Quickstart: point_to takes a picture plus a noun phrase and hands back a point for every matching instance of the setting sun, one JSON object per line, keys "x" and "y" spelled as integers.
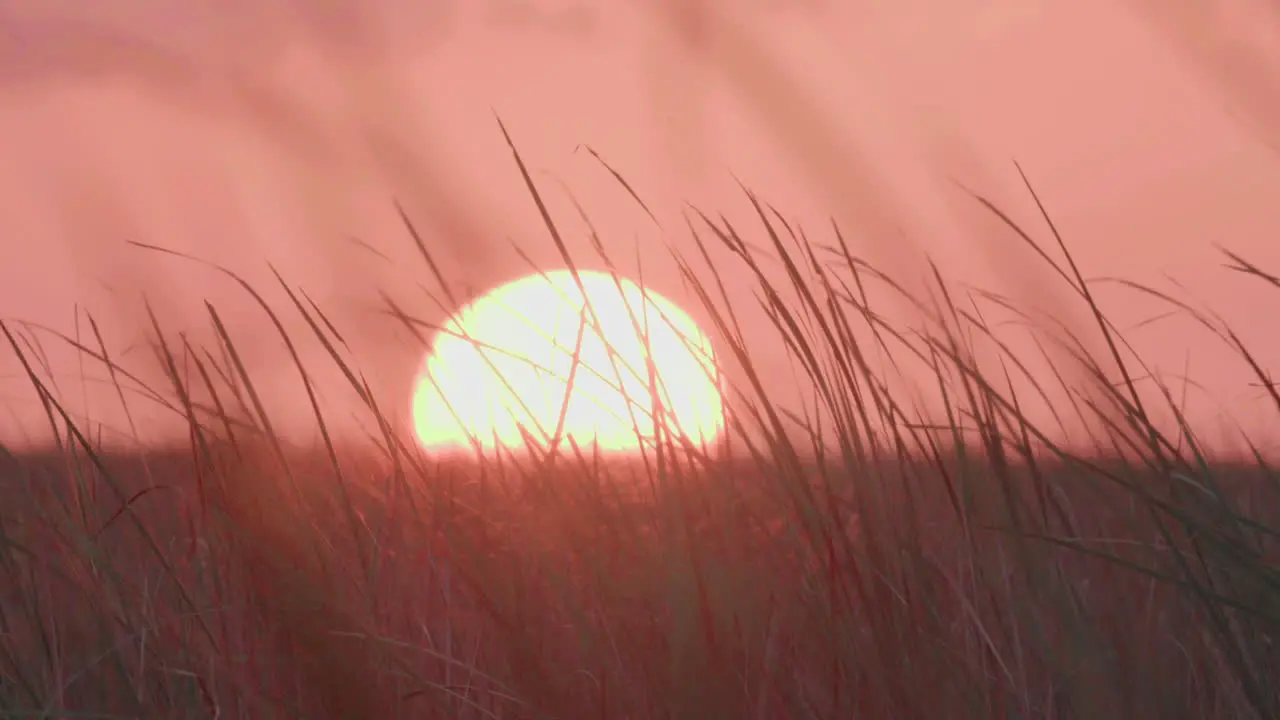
{"x": 506, "y": 363}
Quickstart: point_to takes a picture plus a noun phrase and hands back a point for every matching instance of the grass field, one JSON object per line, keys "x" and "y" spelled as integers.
{"x": 882, "y": 568}
{"x": 869, "y": 560}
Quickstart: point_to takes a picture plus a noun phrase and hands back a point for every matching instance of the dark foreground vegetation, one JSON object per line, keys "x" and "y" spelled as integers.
{"x": 884, "y": 567}
{"x": 948, "y": 588}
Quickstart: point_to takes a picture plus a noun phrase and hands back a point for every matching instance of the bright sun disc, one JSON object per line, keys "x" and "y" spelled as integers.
{"x": 506, "y": 362}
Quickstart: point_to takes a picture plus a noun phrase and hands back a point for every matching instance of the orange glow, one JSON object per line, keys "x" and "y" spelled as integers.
{"x": 507, "y": 362}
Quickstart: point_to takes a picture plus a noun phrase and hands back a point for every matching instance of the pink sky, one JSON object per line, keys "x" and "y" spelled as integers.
{"x": 236, "y": 136}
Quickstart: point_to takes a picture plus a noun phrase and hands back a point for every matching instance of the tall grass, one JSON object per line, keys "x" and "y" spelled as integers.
{"x": 866, "y": 556}
{"x": 857, "y": 559}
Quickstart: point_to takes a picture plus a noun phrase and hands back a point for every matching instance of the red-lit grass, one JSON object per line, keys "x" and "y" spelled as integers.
{"x": 862, "y": 560}
{"x": 880, "y": 569}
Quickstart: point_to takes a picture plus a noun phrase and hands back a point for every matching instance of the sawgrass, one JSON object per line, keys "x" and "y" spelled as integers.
{"x": 881, "y": 565}
{"x": 860, "y": 560}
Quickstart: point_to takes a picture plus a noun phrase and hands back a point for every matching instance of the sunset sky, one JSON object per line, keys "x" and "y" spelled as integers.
{"x": 250, "y": 133}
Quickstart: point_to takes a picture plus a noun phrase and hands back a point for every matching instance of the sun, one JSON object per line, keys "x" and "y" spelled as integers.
{"x": 546, "y": 359}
